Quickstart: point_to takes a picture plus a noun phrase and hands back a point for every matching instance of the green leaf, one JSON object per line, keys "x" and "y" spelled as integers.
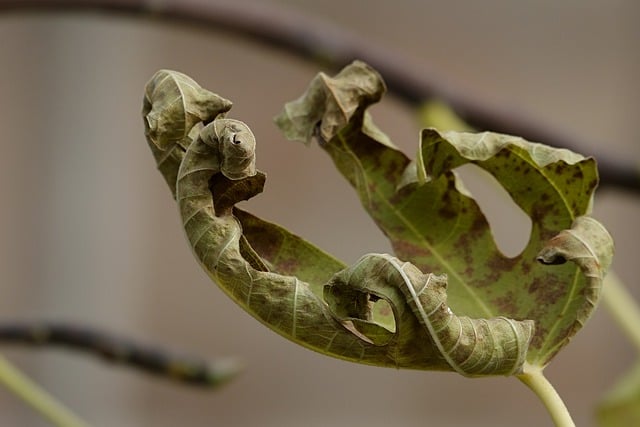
{"x": 267, "y": 246}
{"x": 287, "y": 253}
{"x": 434, "y": 223}
{"x": 471, "y": 347}
{"x": 380, "y": 311}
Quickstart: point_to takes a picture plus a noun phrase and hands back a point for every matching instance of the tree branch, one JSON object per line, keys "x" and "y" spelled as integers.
{"x": 333, "y": 47}
{"x": 117, "y": 350}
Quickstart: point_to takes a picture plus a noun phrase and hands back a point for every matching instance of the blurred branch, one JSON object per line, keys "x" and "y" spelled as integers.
{"x": 117, "y": 350}
{"x": 277, "y": 27}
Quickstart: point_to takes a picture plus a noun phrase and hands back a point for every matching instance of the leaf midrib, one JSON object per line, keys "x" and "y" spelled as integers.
{"x": 362, "y": 172}
{"x": 414, "y": 231}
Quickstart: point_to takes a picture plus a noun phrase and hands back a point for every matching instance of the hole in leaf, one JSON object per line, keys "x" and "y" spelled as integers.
{"x": 510, "y": 225}
{"x": 382, "y": 314}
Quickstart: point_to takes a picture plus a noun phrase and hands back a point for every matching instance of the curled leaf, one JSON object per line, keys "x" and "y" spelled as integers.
{"x": 587, "y": 243}
{"x": 435, "y": 224}
{"x": 471, "y": 347}
{"x": 306, "y": 295}
{"x": 326, "y": 107}
{"x": 173, "y": 105}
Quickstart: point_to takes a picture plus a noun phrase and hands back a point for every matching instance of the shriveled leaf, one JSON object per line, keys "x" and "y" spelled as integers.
{"x": 227, "y": 192}
{"x": 380, "y": 311}
{"x": 174, "y": 104}
{"x": 471, "y": 347}
{"x": 435, "y": 224}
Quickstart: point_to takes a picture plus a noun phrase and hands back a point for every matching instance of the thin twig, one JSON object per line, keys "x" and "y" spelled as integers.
{"x": 319, "y": 41}
{"x": 118, "y": 350}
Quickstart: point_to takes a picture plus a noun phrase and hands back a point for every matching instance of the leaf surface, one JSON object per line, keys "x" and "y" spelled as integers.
{"x": 434, "y": 223}
{"x": 379, "y": 311}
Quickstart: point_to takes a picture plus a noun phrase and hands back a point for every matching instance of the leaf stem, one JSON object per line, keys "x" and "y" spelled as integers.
{"x": 36, "y": 397}
{"x": 534, "y": 378}
{"x": 622, "y": 306}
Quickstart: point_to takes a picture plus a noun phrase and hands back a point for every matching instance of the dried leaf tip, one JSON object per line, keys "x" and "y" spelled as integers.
{"x": 587, "y": 243}
{"x": 330, "y": 103}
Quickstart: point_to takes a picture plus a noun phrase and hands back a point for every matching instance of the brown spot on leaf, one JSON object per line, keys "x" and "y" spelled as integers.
{"x": 506, "y": 304}
{"x": 469, "y": 271}
{"x": 263, "y": 240}
{"x": 479, "y": 226}
{"x": 539, "y": 336}
{"x": 534, "y": 286}
{"x": 409, "y": 251}
{"x": 498, "y": 264}
{"x": 549, "y": 290}
{"x": 447, "y": 212}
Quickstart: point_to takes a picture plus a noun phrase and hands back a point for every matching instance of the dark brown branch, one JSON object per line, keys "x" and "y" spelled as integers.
{"x": 117, "y": 350}
{"x": 273, "y": 26}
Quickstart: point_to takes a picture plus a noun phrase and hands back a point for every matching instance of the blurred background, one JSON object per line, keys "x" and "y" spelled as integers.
{"x": 89, "y": 232}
